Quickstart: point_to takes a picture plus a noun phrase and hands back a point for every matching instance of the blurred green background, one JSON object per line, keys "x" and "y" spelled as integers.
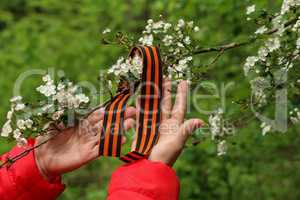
{"x": 65, "y": 36}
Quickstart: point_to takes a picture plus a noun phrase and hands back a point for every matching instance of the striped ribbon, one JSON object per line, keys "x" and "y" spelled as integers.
{"x": 149, "y": 115}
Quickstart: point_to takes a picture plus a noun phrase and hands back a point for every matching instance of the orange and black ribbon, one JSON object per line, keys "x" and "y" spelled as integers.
{"x": 149, "y": 116}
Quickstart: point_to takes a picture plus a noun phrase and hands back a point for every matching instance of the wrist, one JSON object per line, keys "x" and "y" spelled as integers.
{"x": 41, "y": 165}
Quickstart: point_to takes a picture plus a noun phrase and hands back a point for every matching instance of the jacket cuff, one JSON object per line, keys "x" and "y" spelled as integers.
{"x": 153, "y": 180}
{"x": 28, "y": 178}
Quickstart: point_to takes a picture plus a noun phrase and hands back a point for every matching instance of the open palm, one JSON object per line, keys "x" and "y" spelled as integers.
{"x": 74, "y": 147}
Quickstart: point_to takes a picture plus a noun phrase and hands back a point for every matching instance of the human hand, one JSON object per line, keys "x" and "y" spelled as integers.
{"x": 74, "y": 147}
{"x": 174, "y": 131}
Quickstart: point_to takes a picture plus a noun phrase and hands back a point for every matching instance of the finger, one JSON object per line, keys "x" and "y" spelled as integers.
{"x": 129, "y": 123}
{"x": 166, "y": 102}
{"x": 190, "y": 126}
{"x": 123, "y": 140}
{"x": 96, "y": 116}
{"x": 179, "y": 107}
{"x": 133, "y": 144}
{"x": 130, "y": 112}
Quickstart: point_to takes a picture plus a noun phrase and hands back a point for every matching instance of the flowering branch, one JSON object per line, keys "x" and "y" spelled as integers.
{"x": 9, "y": 161}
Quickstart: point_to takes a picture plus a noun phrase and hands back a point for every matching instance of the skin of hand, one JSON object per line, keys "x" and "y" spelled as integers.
{"x": 73, "y": 147}
{"x": 174, "y": 131}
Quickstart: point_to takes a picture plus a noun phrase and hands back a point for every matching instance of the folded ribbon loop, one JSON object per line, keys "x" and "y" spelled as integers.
{"x": 149, "y": 110}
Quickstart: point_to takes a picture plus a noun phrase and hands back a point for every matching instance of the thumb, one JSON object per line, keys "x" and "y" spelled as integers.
{"x": 189, "y": 126}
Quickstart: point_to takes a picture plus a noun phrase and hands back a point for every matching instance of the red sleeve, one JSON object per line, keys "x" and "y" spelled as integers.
{"x": 23, "y": 181}
{"x": 144, "y": 180}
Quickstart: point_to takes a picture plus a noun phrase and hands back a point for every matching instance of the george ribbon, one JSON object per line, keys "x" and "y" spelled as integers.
{"x": 149, "y": 117}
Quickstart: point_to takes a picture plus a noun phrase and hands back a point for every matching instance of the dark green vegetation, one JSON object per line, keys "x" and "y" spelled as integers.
{"x": 66, "y": 35}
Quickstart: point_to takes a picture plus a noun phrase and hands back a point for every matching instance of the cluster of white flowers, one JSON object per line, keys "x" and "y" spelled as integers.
{"x": 23, "y": 118}
{"x": 288, "y": 4}
{"x": 48, "y": 89}
{"x": 215, "y": 122}
{"x": 295, "y": 116}
{"x": 126, "y": 67}
{"x": 220, "y": 130}
{"x": 21, "y": 124}
{"x": 174, "y": 40}
{"x": 276, "y": 53}
{"x": 176, "y": 47}
{"x": 177, "y": 71}
{"x": 67, "y": 96}
{"x": 270, "y": 46}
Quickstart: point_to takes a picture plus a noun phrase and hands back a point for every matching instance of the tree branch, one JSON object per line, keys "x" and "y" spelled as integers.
{"x": 222, "y": 48}
{"x": 233, "y": 45}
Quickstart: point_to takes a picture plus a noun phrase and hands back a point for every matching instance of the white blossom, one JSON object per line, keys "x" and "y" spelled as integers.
{"x": 168, "y": 40}
{"x": 158, "y": 25}
{"x": 48, "y": 89}
{"x": 250, "y": 9}
{"x": 265, "y": 128}
{"x": 179, "y": 44}
{"x": 105, "y": 31}
{"x": 61, "y": 86}
{"x": 122, "y": 67}
{"x": 6, "y": 129}
{"x": 215, "y": 123}
{"x": 15, "y": 99}
{"x": 298, "y": 43}
{"x": 273, "y": 44}
{"x": 21, "y": 124}
{"x": 146, "y": 40}
{"x": 250, "y": 62}
{"x": 196, "y": 28}
{"x": 28, "y": 123}
{"x": 181, "y": 23}
{"x": 222, "y": 148}
{"x": 182, "y": 65}
{"x": 288, "y": 4}
{"x": 17, "y": 133}
{"x": 9, "y": 114}
{"x": 263, "y": 53}
{"x": 296, "y": 26}
{"x": 187, "y": 40}
{"x": 82, "y": 98}
{"x": 19, "y": 106}
{"x": 261, "y": 30}
{"x": 190, "y": 24}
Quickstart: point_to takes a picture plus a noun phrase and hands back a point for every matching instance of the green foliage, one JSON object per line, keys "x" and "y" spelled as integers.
{"x": 66, "y": 36}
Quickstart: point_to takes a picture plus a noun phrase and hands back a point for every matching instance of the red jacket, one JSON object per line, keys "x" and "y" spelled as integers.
{"x": 142, "y": 180}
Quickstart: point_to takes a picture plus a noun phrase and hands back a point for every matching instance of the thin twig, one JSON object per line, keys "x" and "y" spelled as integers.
{"x": 216, "y": 58}
{"x": 24, "y": 153}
